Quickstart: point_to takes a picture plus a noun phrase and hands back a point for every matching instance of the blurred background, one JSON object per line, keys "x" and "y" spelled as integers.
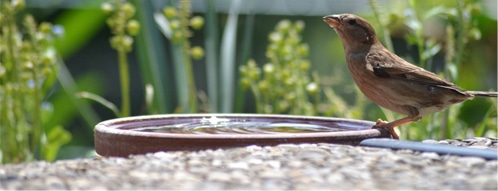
{"x": 456, "y": 39}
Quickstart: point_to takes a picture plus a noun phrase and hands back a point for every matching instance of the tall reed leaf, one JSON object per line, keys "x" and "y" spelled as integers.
{"x": 228, "y": 48}
{"x": 152, "y": 62}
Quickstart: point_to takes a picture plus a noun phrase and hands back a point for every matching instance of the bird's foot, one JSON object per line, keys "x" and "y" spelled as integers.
{"x": 385, "y": 125}
{"x": 380, "y": 122}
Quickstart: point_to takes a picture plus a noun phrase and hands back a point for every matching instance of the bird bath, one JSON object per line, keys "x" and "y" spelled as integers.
{"x": 180, "y": 132}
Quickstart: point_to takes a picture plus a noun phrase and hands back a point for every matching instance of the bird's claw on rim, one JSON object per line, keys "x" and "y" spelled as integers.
{"x": 380, "y": 122}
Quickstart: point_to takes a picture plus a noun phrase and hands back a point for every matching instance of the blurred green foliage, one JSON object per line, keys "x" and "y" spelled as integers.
{"x": 283, "y": 84}
{"x": 171, "y": 72}
{"x": 28, "y": 68}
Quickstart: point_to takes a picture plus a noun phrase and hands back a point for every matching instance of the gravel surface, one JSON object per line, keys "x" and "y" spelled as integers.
{"x": 287, "y": 166}
{"x": 477, "y": 142}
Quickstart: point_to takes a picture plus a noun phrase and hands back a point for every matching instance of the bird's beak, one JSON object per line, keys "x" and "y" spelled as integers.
{"x": 332, "y": 20}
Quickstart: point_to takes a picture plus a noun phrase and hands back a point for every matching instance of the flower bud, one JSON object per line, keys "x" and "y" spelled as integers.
{"x": 107, "y": 8}
{"x": 133, "y": 27}
{"x": 290, "y": 97}
{"x": 170, "y": 12}
{"x": 115, "y": 42}
{"x": 174, "y": 24}
{"x": 263, "y": 86}
{"x": 303, "y": 50}
{"x": 299, "y": 26}
{"x": 128, "y": 9}
{"x": 28, "y": 65}
{"x": 475, "y": 33}
{"x": 46, "y": 72}
{"x": 289, "y": 82}
{"x": 244, "y": 83}
{"x": 18, "y": 4}
{"x": 304, "y": 65}
{"x": 268, "y": 68}
{"x": 275, "y": 37}
{"x": 127, "y": 42}
{"x": 111, "y": 22}
{"x": 45, "y": 27}
{"x": 312, "y": 88}
{"x": 46, "y": 60}
{"x": 177, "y": 37}
{"x": 197, "y": 52}
{"x": 197, "y": 22}
{"x": 243, "y": 70}
{"x": 283, "y": 26}
{"x": 254, "y": 73}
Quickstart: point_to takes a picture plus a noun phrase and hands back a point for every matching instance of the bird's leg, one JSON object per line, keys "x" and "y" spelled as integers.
{"x": 391, "y": 125}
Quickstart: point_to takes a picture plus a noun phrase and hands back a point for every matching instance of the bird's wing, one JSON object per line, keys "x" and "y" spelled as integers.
{"x": 387, "y": 65}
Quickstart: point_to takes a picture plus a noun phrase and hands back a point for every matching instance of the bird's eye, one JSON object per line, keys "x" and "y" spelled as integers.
{"x": 352, "y": 22}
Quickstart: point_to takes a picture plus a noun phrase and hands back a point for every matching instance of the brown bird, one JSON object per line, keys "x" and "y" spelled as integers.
{"x": 390, "y": 81}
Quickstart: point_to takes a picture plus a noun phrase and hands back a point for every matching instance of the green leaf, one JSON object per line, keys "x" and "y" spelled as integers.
{"x": 433, "y": 12}
{"x": 181, "y": 78}
{"x": 228, "y": 49}
{"x": 245, "y": 52}
{"x": 431, "y": 51}
{"x": 152, "y": 60}
{"x": 80, "y": 25}
{"x": 100, "y": 100}
{"x": 55, "y": 138}
{"x": 70, "y": 86}
{"x": 163, "y": 24}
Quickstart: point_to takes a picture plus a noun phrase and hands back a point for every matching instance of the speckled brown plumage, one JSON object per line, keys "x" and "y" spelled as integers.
{"x": 389, "y": 80}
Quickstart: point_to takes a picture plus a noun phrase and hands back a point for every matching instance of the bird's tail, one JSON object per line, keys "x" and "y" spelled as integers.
{"x": 483, "y": 94}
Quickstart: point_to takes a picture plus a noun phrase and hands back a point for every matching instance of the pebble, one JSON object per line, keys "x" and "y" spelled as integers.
{"x": 430, "y": 155}
{"x": 282, "y": 167}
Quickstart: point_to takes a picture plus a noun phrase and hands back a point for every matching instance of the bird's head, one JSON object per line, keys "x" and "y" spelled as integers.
{"x": 355, "y": 32}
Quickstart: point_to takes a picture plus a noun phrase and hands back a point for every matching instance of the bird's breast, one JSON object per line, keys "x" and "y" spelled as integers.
{"x": 373, "y": 87}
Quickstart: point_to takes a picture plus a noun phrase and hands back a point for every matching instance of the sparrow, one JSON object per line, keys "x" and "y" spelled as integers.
{"x": 390, "y": 81}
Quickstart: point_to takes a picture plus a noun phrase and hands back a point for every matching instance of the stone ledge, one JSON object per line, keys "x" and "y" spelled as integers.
{"x": 287, "y": 166}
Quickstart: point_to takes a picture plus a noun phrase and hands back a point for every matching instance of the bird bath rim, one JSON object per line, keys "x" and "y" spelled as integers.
{"x": 116, "y": 137}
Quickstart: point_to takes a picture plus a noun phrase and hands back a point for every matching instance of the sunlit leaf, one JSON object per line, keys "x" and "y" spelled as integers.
{"x": 55, "y": 138}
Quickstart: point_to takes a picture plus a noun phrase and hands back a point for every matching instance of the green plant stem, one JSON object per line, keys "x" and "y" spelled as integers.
{"x": 190, "y": 77}
{"x": 36, "y": 126}
{"x": 385, "y": 33}
{"x": 460, "y": 45}
{"x": 419, "y": 35}
{"x": 456, "y": 59}
{"x": 36, "y": 123}
{"x": 15, "y": 86}
{"x": 124, "y": 75}
{"x": 181, "y": 81}
{"x": 212, "y": 66}
{"x": 185, "y": 46}
{"x": 481, "y": 128}
{"x": 183, "y": 64}
{"x": 257, "y": 98}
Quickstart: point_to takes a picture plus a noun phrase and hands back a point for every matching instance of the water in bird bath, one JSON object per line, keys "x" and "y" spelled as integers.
{"x": 215, "y": 125}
